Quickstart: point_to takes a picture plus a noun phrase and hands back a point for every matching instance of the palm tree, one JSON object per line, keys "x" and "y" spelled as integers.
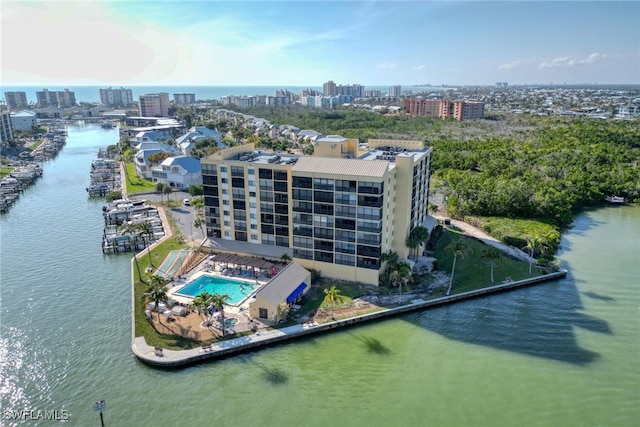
{"x": 199, "y": 222}
{"x": 417, "y": 237}
{"x": 401, "y": 276}
{"x": 391, "y": 258}
{"x": 166, "y": 189}
{"x": 129, "y": 228}
{"x": 218, "y": 301}
{"x": 332, "y": 296}
{"x": 146, "y": 231}
{"x": 159, "y": 189}
{"x": 534, "y": 244}
{"x": 285, "y": 258}
{"x": 156, "y": 292}
{"x": 457, "y": 247}
{"x": 493, "y": 256}
{"x": 201, "y": 304}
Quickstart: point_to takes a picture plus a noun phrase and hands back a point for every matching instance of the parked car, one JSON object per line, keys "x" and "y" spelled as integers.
{"x": 186, "y": 202}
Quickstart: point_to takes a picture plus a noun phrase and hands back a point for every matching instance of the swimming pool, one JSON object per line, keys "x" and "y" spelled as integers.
{"x": 236, "y": 290}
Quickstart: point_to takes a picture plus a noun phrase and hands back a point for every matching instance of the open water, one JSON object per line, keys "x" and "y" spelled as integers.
{"x": 566, "y": 353}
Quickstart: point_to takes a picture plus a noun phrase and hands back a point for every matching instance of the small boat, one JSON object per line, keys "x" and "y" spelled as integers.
{"x": 615, "y": 199}
{"x": 106, "y": 125}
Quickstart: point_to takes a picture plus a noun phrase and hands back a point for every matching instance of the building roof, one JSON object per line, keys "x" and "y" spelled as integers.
{"x": 332, "y": 138}
{"x": 351, "y": 167}
{"x": 24, "y": 114}
{"x": 281, "y": 286}
{"x": 188, "y": 163}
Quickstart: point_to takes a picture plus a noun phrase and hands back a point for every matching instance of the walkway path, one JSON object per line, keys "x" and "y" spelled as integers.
{"x": 470, "y": 230}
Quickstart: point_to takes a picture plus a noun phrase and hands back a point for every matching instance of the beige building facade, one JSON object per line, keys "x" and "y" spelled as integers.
{"x": 338, "y": 210}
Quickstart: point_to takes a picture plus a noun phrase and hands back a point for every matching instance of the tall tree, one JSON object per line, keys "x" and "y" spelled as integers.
{"x": 218, "y": 301}
{"x": 417, "y": 237}
{"x": 156, "y": 292}
{"x": 146, "y": 231}
{"x": 534, "y": 244}
{"x": 201, "y": 304}
{"x": 391, "y": 258}
{"x": 332, "y": 296}
{"x": 130, "y": 228}
{"x": 493, "y": 256}
{"x": 457, "y": 248}
{"x": 400, "y": 277}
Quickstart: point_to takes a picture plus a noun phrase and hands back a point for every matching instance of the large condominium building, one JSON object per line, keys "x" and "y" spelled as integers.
{"x": 338, "y": 210}
{"x": 16, "y": 100}
{"x": 461, "y": 110}
{"x": 184, "y": 98}
{"x": 60, "y": 99}
{"x": 154, "y": 105}
{"x": 444, "y": 108}
{"x": 6, "y": 130}
{"x": 394, "y": 91}
{"x": 329, "y": 88}
{"x": 422, "y": 107}
{"x": 115, "y": 97}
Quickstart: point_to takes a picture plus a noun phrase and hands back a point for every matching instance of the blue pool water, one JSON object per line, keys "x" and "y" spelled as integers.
{"x": 236, "y": 290}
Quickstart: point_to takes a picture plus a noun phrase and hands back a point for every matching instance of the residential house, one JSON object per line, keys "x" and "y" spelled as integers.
{"x": 179, "y": 172}
{"x": 24, "y": 120}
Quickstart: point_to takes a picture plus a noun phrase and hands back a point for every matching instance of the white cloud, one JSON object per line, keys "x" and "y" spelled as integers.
{"x": 594, "y": 57}
{"x": 509, "y": 65}
{"x": 569, "y": 61}
{"x": 386, "y": 65}
{"x": 419, "y": 67}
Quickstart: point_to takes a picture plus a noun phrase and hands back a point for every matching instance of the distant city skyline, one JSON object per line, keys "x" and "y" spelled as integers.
{"x": 311, "y": 42}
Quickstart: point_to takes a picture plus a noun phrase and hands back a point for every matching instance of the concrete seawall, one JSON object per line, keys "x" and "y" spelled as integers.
{"x": 176, "y": 358}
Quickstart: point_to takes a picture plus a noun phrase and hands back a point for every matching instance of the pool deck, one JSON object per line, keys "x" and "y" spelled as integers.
{"x": 263, "y": 337}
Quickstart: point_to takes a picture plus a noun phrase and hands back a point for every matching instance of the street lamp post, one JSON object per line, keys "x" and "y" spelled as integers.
{"x": 99, "y": 406}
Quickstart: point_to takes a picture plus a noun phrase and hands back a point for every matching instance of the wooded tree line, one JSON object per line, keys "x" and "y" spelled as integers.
{"x": 559, "y": 168}
{"x": 513, "y": 166}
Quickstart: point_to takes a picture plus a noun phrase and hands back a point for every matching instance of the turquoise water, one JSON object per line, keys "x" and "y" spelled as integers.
{"x": 565, "y": 353}
{"x": 236, "y": 290}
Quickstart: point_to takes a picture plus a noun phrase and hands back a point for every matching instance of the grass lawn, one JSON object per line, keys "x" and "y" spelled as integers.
{"x": 135, "y": 184}
{"x": 5, "y": 171}
{"x": 472, "y": 271}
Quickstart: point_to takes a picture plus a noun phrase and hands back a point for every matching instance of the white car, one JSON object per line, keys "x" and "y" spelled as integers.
{"x": 186, "y": 202}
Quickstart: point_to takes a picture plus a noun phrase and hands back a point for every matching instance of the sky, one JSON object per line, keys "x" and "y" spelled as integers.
{"x": 310, "y": 42}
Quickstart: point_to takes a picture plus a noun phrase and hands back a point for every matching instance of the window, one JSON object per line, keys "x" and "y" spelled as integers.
{"x": 251, "y": 171}
{"x": 346, "y": 186}
{"x": 225, "y": 180}
{"x": 223, "y": 168}
{"x": 302, "y": 182}
{"x": 237, "y": 171}
{"x": 225, "y": 191}
{"x": 252, "y": 183}
{"x": 322, "y": 184}
{"x": 280, "y": 175}
{"x": 265, "y": 173}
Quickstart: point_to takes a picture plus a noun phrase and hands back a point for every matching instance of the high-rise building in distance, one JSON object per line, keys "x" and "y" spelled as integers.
{"x": 154, "y": 105}
{"x": 114, "y": 97}
{"x": 184, "y": 98}
{"x": 16, "y": 100}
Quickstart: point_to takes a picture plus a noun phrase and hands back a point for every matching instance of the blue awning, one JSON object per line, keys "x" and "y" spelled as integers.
{"x": 295, "y": 294}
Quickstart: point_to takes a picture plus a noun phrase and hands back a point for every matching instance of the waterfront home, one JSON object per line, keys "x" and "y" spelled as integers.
{"x": 24, "y": 120}
{"x": 178, "y": 172}
{"x": 187, "y": 142}
{"x": 287, "y": 287}
{"x": 144, "y": 150}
